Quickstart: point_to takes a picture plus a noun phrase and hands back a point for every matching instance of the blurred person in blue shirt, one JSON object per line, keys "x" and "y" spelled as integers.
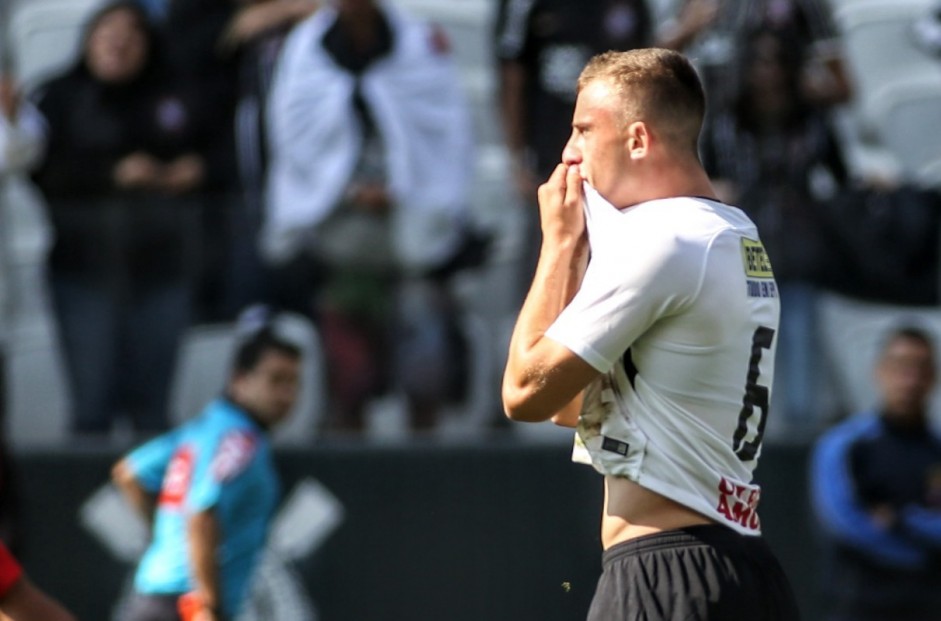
{"x": 209, "y": 489}
{"x": 876, "y": 490}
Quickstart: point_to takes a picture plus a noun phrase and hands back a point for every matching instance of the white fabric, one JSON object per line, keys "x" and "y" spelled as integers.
{"x": 21, "y": 140}
{"x": 21, "y": 143}
{"x": 667, "y": 279}
{"x": 315, "y": 139}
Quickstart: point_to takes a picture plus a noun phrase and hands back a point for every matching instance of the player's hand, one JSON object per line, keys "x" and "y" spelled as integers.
{"x": 560, "y": 206}
{"x": 205, "y": 614}
{"x": 190, "y": 607}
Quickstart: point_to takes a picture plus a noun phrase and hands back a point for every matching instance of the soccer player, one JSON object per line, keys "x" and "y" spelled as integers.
{"x": 650, "y": 325}
{"x": 210, "y": 489}
{"x": 20, "y": 599}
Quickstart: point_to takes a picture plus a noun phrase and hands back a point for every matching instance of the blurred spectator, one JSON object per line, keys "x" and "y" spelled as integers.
{"x": 541, "y": 46}
{"x": 20, "y": 146}
{"x": 774, "y": 154}
{"x": 209, "y": 489}
{"x": 367, "y": 200}
{"x": 123, "y": 174}
{"x": 714, "y": 28}
{"x": 229, "y": 48}
{"x": 876, "y": 482}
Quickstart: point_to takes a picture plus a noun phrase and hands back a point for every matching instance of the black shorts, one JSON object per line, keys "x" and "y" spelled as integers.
{"x": 700, "y": 573}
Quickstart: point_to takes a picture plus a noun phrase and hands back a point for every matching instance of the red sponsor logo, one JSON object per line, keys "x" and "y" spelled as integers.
{"x": 177, "y": 480}
{"x": 233, "y": 455}
{"x": 739, "y": 503}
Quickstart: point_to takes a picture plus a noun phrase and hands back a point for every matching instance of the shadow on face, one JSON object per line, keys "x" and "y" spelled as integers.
{"x": 270, "y": 389}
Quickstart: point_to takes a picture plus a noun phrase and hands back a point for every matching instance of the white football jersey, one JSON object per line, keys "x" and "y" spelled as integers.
{"x": 679, "y": 312}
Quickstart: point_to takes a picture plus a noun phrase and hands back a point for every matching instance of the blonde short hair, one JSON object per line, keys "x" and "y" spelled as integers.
{"x": 657, "y": 86}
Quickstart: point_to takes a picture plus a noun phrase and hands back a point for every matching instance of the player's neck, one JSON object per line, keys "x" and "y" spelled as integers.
{"x": 669, "y": 182}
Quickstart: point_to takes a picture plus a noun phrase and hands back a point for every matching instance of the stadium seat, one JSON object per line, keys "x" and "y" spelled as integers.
{"x": 929, "y": 174}
{"x": 203, "y": 362}
{"x": 878, "y": 43}
{"x": 851, "y": 331}
{"x": 44, "y": 36}
{"x": 904, "y": 116}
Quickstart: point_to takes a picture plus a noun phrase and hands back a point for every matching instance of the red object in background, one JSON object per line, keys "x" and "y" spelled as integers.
{"x": 189, "y": 605}
{"x": 10, "y": 570}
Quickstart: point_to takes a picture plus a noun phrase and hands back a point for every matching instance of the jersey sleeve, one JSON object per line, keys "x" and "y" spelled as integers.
{"x": 218, "y": 470}
{"x": 149, "y": 461}
{"x": 10, "y": 570}
{"x": 624, "y": 293}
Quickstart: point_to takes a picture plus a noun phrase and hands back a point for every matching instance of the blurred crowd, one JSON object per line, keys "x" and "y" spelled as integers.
{"x": 198, "y": 157}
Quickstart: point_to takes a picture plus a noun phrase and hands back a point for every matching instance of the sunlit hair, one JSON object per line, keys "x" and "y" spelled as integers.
{"x": 659, "y": 87}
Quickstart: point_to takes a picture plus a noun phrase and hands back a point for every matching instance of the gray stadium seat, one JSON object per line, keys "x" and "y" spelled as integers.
{"x": 203, "y": 361}
{"x": 879, "y": 45}
{"x": 44, "y": 35}
{"x": 906, "y": 117}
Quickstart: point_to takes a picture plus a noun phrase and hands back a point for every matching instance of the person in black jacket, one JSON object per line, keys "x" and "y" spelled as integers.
{"x": 123, "y": 173}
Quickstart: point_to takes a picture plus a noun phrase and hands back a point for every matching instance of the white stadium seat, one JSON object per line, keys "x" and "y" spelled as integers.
{"x": 203, "y": 362}
{"x": 44, "y": 36}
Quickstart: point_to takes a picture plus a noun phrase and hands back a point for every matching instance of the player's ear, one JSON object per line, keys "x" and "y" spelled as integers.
{"x": 638, "y": 140}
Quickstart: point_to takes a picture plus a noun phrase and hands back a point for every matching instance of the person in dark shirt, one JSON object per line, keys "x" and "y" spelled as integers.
{"x": 541, "y": 46}
{"x": 229, "y": 48}
{"x": 123, "y": 174}
{"x": 876, "y": 483}
{"x": 774, "y": 153}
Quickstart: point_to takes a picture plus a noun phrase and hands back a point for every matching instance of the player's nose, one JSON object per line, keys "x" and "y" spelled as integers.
{"x": 571, "y": 155}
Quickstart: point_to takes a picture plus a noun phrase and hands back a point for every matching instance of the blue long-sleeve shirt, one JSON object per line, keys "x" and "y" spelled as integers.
{"x": 866, "y": 463}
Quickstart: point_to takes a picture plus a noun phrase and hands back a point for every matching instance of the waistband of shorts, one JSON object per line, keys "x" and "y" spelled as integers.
{"x": 699, "y": 535}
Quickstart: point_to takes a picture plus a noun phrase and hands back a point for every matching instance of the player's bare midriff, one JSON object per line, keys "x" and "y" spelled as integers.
{"x": 632, "y": 511}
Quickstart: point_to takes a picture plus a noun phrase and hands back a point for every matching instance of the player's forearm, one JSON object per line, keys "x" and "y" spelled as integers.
{"x": 568, "y": 415}
{"x": 532, "y": 376}
{"x": 140, "y": 500}
{"x": 203, "y": 531}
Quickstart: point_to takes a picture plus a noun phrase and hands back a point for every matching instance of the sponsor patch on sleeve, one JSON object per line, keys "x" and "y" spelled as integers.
{"x": 757, "y": 264}
{"x": 759, "y": 277}
{"x": 233, "y": 455}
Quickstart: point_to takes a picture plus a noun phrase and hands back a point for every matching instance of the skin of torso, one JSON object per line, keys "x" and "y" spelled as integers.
{"x": 632, "y": 511}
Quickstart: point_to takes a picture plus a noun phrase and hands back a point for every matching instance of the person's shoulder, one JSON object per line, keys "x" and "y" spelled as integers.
{"x": 690, "y": 218}
{"x": 61, "y": 86}
{"x": 855, "y": 427}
